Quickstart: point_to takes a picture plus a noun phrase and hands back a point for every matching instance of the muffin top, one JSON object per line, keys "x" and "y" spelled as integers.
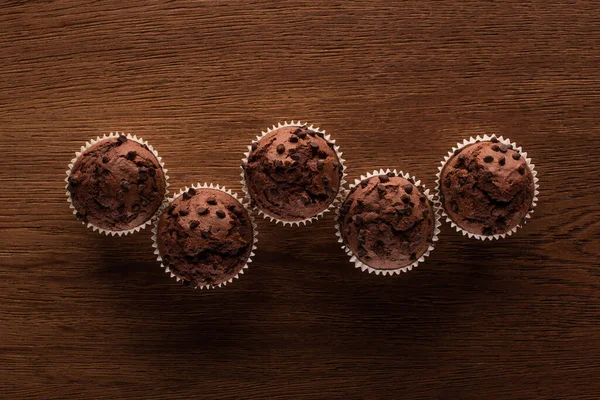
{"x": 117, "y": 184}
{"x": 205, "y": 237}
{"x": 486, "y": 188}
{"x": 293, "y": 173}
{"x": 387, "y": 221}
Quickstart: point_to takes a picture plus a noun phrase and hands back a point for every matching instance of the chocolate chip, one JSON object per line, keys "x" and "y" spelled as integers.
{"x": 362, "y": 252}
{"x": 408, "y": 188}
{"x": 502, "y": 160}
{"x": 302, "y": 134}
{"x": 457, "y": 151}
{"x": 488, "y": 230}
{"x": 503, "y": 148}
{"x": 405, "y": 198}
{"x": 322, "y": 155}
{"x": 294, "y": 139}
{"x": 79, "y": 215}
{"x": 192, "y": 191}
{"x": 413, "y": 256}
{"x": 278, "y": 164}
{"x": 488, "y": 159}
{"x": 447, "y": 182}
{"x": 120, "y": 195}
{"x": 494, "y": 140}
{"x": 320, "y": 164}
{"x": 186, "y": 196}
{"x": 122, "y": 139}
{"x": 411, "y": 204}
{"x": 170, "y": 209}
{"x": 425, "y": 213}
{"x": 312, "y": 133}
{"x": 131, "y": 155}
{"x": 314, "y": 146}
{"x": 510, "y": 146}
{"x": 521, "y": 170}
{"x": 135, "y": 208}
{"x": 381, "y": 189}
{"x": 125, "y": 185}
{"x": 335, "y": 165}
{"x": 142, "y": 175}
{"x": 454, "y": 207}
{"x": 295, "y": 157}
{"x": 212, "y": 201}
{"x": 408, "y": 211}
{"x": 320, "y": 134}
{"x": 423, "y": 199}
{"x": 194, "y": 224}
{"x": 364, "y": 184}
{"x": 516, "y": 156}
{"x": 183, "y": 213}
{"x": 206, "y": 233}
{"x": 254, "y": 145}
{"x": 384, "y": 178}
{"x": 152, "y": 171}
{"x": 280, "y": 149}
{"x": 202, "y": 210}
{"x": 221, "y": 214}
{"x": 496, "y": 147}
{"x": 105, "y": 159}
{"x": 231, "y": 207}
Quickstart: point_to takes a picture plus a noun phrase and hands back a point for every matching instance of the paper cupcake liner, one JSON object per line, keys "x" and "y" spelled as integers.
{"x": 199, "y": 186}
{"x": 337, "y": 198}
{"x": 90, "y": 144}
{"x": 364, "y": 267}
{"x": 472, "y": 141}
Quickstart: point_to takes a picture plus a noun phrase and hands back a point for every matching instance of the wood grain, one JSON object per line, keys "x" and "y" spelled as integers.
{"x": 397, "y": 84}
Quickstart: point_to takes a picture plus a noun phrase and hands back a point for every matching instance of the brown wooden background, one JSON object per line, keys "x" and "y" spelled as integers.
{"x": 397, "y": 83}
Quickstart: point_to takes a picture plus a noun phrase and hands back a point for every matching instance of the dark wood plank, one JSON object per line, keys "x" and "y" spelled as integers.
{"x": 397, "y": 84}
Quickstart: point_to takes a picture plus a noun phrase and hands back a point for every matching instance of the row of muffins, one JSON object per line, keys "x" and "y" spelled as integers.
{"x": 387, "y": 221}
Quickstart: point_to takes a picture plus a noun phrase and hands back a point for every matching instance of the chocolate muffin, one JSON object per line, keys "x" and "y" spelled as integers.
{"x": 387, "y": 222}
{"x": 293, "y": 173}
{"x": 205, "y": 237}
{"x": 117, "y": 184}
{"x": 487, "y": 188}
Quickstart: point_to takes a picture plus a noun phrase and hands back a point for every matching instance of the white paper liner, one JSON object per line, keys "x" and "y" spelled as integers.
{"x": 337, "y": 152}
{"x": 90, "y": 144}
{"x": 199, "y": 186}
{"x": 436, "y": 232}
{"x": 486, "y": 138}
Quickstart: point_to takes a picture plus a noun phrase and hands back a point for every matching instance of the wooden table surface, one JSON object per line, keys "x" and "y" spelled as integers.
{"x": 84, "y": 316}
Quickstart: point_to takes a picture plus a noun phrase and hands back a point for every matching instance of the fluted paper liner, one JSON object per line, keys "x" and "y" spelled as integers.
{"x": 486, "y": 138}
{"x": 90, "y": 144}
{"x": 198, "y": 186}
{"x": 364, "y": 267}
{"x": 336, "y": 148}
